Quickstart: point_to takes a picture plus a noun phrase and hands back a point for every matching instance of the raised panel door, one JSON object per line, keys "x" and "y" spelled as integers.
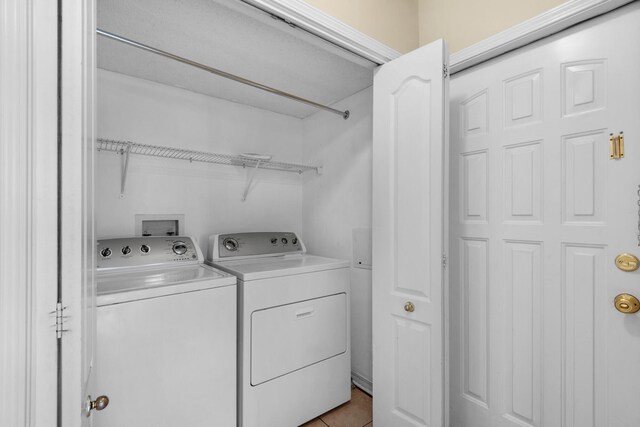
{"x": 535, "y": 338}
{"x": 408, "y": 239}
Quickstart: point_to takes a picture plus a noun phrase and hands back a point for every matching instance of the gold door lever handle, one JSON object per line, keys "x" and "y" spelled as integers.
{"x": 627, "y": 304}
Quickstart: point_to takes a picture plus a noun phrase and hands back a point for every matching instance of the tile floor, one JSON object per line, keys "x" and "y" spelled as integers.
{"x": 357, "y": 412}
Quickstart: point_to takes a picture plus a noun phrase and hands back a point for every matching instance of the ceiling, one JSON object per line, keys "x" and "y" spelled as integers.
{"x": 233, "y": 37}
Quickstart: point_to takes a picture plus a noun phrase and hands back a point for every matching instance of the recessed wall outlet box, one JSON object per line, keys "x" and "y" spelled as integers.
{"x": 160, "y": 225}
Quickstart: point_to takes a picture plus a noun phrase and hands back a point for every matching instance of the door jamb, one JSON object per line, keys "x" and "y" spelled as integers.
{"x": 28, "y": 212}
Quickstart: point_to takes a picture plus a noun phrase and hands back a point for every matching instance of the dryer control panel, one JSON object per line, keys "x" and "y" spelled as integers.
{"x": 134, "y": 252}
{"x": 253, "y": 245}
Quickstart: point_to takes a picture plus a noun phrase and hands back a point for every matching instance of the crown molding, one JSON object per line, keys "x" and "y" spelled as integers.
{"x": 325, "y": 26}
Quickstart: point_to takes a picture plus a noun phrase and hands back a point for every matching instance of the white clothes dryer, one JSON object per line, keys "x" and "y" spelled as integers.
{"x": 166, "y": 332}
{"x": 294, "y": 357}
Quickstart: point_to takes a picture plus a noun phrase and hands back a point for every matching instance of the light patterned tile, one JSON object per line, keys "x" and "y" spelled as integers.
{"x": 356, "y": 413}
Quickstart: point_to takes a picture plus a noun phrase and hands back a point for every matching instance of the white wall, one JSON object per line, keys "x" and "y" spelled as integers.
{"x": 407, "y": 24}
{"x": 463, "y": 23}
{"x": 340, "y": 200}
{"x": 394, "y": 23}
{"x": 209, "y": 195}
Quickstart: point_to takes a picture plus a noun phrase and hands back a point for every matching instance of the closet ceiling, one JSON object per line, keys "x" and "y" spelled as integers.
{"x": 233, "y": 37}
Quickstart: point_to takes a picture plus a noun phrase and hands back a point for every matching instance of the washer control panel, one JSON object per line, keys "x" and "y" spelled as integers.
{"x": 147, "y": 251}
{"x": 241, "y": 245}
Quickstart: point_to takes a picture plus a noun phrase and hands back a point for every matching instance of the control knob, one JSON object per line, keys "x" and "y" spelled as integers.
{"x": 126, "y": 250}
{"x": 230, "y": 244}
{"x": 145, "y": 249}
{"x": 106, "y": 253}
{"x": 179, "y": 247}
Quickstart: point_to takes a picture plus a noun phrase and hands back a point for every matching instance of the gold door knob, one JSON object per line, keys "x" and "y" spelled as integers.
{"x": 627, "y": 262}
{"x": 99, "y": 404}
{"x": 627, "y": 304}
{"x": 408, "y": 306}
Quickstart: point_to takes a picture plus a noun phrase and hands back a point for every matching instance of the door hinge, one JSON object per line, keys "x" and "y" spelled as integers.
{"x": 60, "y": 318}
{"x": 444, "y": 260}
{"x": 445, "y": 71}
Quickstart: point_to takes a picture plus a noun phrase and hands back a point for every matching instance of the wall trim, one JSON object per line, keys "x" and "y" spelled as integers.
{"x": 362, "y": 383}
{"x": 15, "y": 223}
{"x": 534, "y": 29}
{"x": 28, "y": 222}
{"x": 327, "y": 27}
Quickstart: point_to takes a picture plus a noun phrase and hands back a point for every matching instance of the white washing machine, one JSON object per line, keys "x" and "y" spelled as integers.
{"x": 294, "y": 357}
{"x": 166, "y": 332}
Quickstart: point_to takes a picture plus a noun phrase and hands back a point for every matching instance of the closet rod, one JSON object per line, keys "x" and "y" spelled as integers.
{"x": 344, "y": 114}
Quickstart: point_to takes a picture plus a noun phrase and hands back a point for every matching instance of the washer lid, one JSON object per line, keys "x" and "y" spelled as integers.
{"x": 285, "y": 265}
{"x": 119, "y": 287}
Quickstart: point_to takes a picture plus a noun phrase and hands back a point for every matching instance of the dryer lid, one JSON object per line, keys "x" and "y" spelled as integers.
{"x": 286, "y": 265}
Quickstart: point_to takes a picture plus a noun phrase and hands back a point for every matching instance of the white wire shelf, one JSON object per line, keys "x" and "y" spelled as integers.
{"x": 128, "y": 147}
{"x": 249, "y": 161}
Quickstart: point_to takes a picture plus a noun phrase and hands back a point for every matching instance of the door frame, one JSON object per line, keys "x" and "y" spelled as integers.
{"x": 550, "y": 22}
{"x": 28, "y": 212}
{"x": 28, "y": 219}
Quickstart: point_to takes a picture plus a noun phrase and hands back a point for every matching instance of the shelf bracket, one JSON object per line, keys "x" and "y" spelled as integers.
{"x": 250, "y": 175}
{"x": 124, "y": 167}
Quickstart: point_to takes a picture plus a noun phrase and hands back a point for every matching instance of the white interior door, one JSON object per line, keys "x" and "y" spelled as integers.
{"x": 77, "y": 235}
{"x": 410, "y": 95}
{"x": 539, "y": 212}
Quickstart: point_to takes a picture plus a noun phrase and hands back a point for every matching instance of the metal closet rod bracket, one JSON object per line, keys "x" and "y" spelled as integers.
{"x": 345, "y": 114}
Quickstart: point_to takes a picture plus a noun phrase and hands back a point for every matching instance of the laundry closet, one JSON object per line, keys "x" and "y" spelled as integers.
{"x": 481, "y": 200}
{"x": 181, "y": 145}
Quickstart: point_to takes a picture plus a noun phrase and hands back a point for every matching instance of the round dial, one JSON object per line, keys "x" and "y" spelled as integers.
{"x": 294, "y": 240}
{"x": 230, "y": 244}
{"x": 145, "y": 249}
{"x": 274, "y": 240}
{"x": 179, "y": 248}
{"x": 106, "y": 253}
{"x": 284, "y": 241}
{"x": 126, "y": 250}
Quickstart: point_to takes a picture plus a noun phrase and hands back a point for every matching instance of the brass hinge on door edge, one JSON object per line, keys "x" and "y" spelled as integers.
{"x": 445, "y": 71}
{"x": 59, "y": 312}
{"x": 616, "y": 146}
{"x": 444, "y": 261}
